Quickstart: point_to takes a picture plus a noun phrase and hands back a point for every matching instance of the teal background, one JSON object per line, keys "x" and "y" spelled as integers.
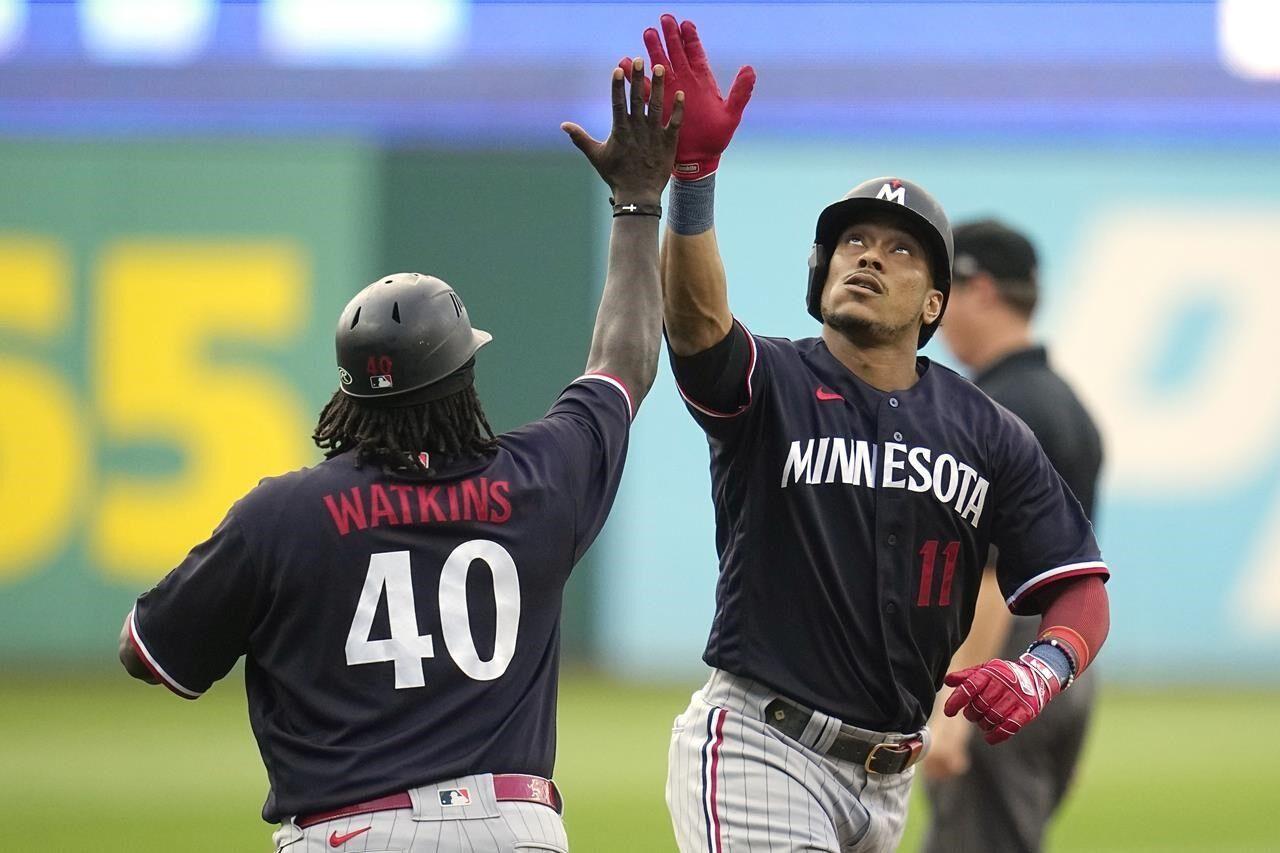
{"x": 1185, "y": 558}
{"x": 1194, "y": 593}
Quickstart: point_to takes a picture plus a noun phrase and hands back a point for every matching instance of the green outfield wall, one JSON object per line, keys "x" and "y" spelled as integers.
{"x": 166, "y": 337}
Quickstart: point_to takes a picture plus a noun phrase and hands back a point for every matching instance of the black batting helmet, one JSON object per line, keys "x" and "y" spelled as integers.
{"x": 401, "y": 336}
{"x": 910, "y": 204}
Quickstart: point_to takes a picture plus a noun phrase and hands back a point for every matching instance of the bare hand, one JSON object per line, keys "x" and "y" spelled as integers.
{"x": 637, "y": 158}
{"x": 948, "y": 754}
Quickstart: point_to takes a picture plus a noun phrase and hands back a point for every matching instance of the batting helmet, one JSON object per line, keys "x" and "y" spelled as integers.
{"x": 907, "y": 202}
{"x": 404, "y": 333}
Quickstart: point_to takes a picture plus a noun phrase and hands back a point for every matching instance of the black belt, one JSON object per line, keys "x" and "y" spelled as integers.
{"x": 792, "y": 719}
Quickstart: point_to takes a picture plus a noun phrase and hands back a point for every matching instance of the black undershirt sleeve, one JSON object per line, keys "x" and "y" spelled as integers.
{"x": 716, "y": 378}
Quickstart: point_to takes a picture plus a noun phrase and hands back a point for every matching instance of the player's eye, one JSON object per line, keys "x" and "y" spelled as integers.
{"x": 906, "y": 250}
{"x": 854, "y": 238}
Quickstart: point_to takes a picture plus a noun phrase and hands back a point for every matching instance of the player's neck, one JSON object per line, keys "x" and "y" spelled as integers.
{"x": 996, "y": 343}
{"x": 887, "y": 366}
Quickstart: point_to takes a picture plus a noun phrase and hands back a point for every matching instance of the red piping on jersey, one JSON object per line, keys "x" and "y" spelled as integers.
{"x": 1062, "y": 573}
{"x": 751, "y": 370}
{"x": 622, "y": 386}
{"x": 141, "y": 652}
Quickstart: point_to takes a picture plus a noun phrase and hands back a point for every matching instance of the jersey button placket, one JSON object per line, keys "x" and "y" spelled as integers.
{"x": 889, "y": 606}
{"x": 888, "y": 511}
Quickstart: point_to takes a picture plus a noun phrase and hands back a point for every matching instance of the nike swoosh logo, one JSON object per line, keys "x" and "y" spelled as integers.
{"x": 824, "y": 394}
{"x": 336, "y": 840}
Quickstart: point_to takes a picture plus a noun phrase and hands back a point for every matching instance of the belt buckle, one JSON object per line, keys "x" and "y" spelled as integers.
{"x": 894, "y": 748}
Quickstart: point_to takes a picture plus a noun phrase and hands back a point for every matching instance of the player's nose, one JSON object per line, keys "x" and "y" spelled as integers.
{"x": 871, "y": 258}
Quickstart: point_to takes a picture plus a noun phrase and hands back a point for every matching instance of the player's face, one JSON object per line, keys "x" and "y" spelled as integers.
{"x": 879, "y": 283}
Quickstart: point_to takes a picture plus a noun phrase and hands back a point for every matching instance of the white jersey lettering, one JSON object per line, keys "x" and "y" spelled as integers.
{"x": 919, "y": 459}
{"x": 892, "y": 464}
{"x": 853, "y": 462}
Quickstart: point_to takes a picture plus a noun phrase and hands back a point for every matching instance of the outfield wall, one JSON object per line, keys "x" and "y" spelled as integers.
{"x": 167, "y": 311}
{"x": 166, "y": 337}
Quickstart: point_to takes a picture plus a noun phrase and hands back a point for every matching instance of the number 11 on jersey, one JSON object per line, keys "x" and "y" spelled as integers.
{"x": 928, "y": 556}
{"x": 390, "y": 573}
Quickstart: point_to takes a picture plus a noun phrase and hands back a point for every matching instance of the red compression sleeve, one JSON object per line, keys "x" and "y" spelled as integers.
{"x": 1077, "y": 615}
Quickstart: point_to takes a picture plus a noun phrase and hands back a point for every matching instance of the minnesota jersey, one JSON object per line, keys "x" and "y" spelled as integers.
{"x": 396, "y": 631}
{"x": 853, "y": 525}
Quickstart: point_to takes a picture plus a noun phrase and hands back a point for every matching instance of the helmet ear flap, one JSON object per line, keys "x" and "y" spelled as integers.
{"x": 818, "y": 261}
{"x": 817, "y": 256}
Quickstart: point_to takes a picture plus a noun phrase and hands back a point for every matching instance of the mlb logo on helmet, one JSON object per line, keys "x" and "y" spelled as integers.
{"x": 383, "y": 381}
{"x": 455, "y": 797}
{"x": 893, "y": 191}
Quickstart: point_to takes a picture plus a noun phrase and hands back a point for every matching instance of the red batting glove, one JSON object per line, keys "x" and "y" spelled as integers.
{"x": 709, "y": 118}
{"x": 1002, "y": 696}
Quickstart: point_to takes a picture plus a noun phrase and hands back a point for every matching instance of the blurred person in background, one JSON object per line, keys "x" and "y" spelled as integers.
{"x": 1001, "y": 798}
{"x": 401, "y": 731}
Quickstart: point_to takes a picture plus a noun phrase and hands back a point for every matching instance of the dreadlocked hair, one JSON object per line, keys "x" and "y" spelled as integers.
{"x": 393, "y": 437}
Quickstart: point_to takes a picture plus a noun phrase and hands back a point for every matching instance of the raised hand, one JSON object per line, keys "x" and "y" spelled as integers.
{"x": 1002, "y": 696}
{"x": 637, "y": 158}
{"x": 712, "y": 118}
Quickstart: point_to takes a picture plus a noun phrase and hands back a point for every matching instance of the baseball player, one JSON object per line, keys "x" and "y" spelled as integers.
{"x": 398, "y": 605}
{"x": 858, "y": 489}
{"x": 986, "y": 798}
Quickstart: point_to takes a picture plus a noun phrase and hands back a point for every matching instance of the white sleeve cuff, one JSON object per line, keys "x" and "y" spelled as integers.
{"x": 152, "y": 664}
{"x": 615, "y": 383}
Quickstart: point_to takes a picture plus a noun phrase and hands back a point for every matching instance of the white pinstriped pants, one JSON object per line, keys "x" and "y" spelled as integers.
{"x": 735, "y": 785}
{"x": 482, "y": 826}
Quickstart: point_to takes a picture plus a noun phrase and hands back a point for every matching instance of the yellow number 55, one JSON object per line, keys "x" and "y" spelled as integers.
{"x": 162, "y": 308}
{"x": 43, "y": 445}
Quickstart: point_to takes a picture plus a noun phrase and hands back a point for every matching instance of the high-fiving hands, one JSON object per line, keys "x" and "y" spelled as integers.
{"x": 637, "y": 158}
{"x": 712, "y": 118}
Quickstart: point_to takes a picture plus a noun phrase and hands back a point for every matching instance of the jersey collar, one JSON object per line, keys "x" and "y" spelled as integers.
{"x": 842, "y": 379}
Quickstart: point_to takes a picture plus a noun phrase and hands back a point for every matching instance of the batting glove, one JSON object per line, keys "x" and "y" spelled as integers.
{"x": 709, "y": 118}
{"x": 1002, "y": 696}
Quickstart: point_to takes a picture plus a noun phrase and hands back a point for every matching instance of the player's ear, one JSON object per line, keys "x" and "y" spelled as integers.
{"x": 932, "y": 305}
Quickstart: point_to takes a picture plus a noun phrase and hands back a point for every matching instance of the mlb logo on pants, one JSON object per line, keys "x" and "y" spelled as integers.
{"x": 455, "y": 797}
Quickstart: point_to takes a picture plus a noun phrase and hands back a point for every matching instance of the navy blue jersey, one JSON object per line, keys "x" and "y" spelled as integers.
{"x": 396, "y": 631}
{"x": 853, "y": 526}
